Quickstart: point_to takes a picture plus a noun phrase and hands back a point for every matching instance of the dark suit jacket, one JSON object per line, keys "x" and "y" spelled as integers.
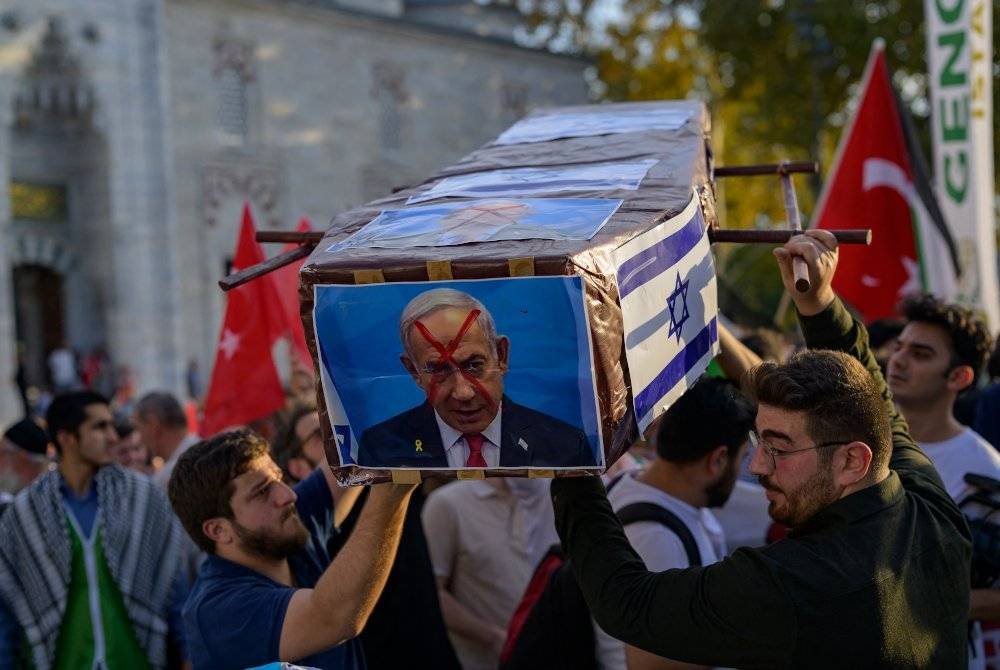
{"x": 551, "y": 443}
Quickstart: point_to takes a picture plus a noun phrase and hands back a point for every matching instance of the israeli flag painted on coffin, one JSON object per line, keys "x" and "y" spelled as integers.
{"x": 667, "y": 291}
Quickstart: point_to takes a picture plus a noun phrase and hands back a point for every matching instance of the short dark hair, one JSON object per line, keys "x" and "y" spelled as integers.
{"x": 287, "y": 445}
{"x": 201, "y": 485}
{"x": 711, "y": 413}
{"x": 164, "y": 406}
{"x": 970, "y": 339}
{"x": 68, "y": 411}
{"x": 839, "y": 396}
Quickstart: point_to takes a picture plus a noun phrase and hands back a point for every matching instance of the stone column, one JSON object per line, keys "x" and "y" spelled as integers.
{"x": 142, "y": 315}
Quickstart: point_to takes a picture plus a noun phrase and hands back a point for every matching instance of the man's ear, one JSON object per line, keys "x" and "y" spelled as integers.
{"x": 717, "y": 460}
{"x": 960, "y": 377}
{"x": 503, "y": 353}
{"x": 218, "y": 530}
{"x": 411, "y": 368}
{"x": 854, "y": 462}
{"x": 64, "y": 439}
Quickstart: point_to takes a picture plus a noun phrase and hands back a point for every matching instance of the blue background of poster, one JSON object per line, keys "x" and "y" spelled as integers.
{"x": 550, "y": 366}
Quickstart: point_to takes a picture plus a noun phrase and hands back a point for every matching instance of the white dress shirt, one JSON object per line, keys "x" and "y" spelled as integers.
{"x": 457, "y": 449}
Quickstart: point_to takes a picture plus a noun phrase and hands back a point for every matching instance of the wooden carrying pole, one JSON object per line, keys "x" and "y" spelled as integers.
{"x": 309, "y": 240}
{"x": 784, "y": 170}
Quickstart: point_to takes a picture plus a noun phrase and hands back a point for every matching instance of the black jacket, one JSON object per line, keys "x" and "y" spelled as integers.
{"x": 528, "y": 438}
{"x": 878, "y": 579}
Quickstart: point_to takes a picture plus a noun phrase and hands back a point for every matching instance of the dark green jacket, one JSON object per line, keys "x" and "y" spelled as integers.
{"x": 879, "y": 579}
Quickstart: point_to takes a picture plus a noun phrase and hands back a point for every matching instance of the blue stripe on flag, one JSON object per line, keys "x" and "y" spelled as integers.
{"x": 676, "y": 369}
{"x": 657, "y": 259}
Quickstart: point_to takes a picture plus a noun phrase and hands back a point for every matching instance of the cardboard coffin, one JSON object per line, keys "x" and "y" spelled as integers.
{"x": 555, "y": 376}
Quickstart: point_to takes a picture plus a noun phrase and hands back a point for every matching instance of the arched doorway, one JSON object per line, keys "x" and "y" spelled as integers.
{"x": 39, "y": 308}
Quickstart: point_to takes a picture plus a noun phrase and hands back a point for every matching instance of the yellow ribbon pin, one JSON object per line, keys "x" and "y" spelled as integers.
{"x": 419, "y": 445}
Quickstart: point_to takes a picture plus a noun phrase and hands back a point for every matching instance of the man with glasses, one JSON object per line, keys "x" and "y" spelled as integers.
{"x": 875, "y": 571}
{"x": 454, "y": 354}
{"x": 90, "y": 575}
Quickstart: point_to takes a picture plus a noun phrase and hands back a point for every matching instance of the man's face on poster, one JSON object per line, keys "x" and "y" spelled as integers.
{"x": 464, "y": 387}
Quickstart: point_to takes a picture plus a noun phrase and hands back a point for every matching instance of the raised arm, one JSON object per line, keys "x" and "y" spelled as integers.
{"x": 344, "y": 597}
{"x": 826, "y": 324}
{"x": 735, "y": 358}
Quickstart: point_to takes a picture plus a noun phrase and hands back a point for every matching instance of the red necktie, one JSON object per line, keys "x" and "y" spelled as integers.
{"x": 475, "y": 442}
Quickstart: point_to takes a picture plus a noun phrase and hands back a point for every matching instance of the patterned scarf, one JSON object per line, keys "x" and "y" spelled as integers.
{"x": 141, "y": 540}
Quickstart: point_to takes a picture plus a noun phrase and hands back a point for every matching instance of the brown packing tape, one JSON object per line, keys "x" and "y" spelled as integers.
{"x": 472, "y": 474}
{"x": 439, "y": 270}
{"x": 406, "y": 477}
{"x": 521, "y": 267}
{"x": 369, "y": 277}
{"x": 541, "y": 474}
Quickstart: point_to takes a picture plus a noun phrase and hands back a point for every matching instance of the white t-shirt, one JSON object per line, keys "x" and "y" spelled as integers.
{"x": 966, "y": 452}
{"x": 658, "y": 546}
{"x": 485, "y": 537}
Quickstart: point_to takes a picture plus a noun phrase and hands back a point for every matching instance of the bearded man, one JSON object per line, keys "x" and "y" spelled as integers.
{"x": 266, "y": 592}
{"x": 875, "y": 571}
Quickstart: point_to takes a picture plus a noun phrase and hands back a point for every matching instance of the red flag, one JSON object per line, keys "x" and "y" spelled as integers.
{"x": 286, "y": 280}
{"x": 245, "y": 384}
{"x": 876, "y": 183}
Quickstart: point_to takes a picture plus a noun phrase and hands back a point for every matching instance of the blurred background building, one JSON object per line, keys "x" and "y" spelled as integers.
{"x": 131, "y": 131}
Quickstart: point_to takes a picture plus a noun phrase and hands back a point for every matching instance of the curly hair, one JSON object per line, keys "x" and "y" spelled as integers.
{"x": 838, "y": 395}
{"x": 970, "y": 339}
{"x": 201, "y": 486}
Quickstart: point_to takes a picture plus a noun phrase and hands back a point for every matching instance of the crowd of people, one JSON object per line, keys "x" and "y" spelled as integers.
{"x": 806, "y": 509}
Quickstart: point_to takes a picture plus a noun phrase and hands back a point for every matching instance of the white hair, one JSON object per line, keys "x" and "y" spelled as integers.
{"x": 431, "y": 301}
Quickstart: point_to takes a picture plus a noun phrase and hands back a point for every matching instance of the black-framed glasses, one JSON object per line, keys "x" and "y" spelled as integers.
{"x": 775, "y": 453}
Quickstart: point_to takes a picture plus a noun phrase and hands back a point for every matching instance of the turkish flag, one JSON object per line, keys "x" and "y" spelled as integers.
{"x": 876, "y": 183}
{"x": 286, "y": 281}
{"x": 245, "y": 384}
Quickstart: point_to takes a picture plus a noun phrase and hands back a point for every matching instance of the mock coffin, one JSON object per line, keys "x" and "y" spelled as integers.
{"x": 525, "y": 311}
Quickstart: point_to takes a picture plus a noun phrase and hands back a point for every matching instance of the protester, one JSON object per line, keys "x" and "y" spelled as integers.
{"x": 485, "y": 539}
{"x": 938, "y": 355}
{"x": 266, "y": 593}
{"x": 23, "y": 455}
{"x": 700, "y": 442}
{"x": 130, "y": 452}
{"x": 875, "y": 572}
{"x": 298, "y": 446}
{"x": 89, "y": 573}
{"x": 162, "y": 426}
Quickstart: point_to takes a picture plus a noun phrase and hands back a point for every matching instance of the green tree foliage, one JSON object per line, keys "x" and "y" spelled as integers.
{"x": 777, "y": 75}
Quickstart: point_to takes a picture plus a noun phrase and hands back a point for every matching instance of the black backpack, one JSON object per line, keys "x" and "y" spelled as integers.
{"x": 552, "y": 627}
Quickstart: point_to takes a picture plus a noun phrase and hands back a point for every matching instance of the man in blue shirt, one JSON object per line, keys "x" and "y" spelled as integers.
{"x": 266, "y": 592}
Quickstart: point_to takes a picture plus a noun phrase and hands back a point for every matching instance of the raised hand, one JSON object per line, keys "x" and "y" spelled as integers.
{"x": 818, "y": 248}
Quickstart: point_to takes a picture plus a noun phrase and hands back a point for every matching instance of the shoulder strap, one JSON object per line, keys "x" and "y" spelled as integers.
{"x": 645, "y": 511}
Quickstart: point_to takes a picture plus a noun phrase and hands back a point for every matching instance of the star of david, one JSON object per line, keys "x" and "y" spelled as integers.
{"x": 677, "y": 321}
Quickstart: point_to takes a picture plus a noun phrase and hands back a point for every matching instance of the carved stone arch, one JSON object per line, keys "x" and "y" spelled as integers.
{"x": 53, "y": 90}
{"x": 48, "y": 251}
{"x": 261, "y": 184}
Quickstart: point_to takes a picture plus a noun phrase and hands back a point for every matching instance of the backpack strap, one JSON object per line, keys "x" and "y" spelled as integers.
{"x": 645, "y": 511}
